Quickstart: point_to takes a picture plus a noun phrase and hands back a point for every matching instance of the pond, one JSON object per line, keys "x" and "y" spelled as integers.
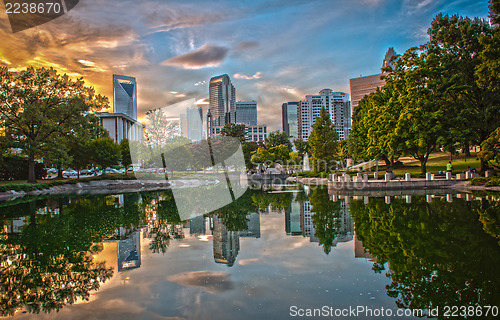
{"x": 278, "y": 253}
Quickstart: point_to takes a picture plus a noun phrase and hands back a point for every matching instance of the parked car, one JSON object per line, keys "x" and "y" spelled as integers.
{"x": 52, "y": 171}
{"x": 110, "y": 170}
{"x": 70, "y": 173}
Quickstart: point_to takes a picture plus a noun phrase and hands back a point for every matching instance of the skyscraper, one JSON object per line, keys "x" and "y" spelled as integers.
{"x": 388, "y": 55}
{"x": 246, "y": 112}
{"x": 289, "y": 120}
{"x": 222, "y": 98}
{"x": 363, "y": 86}
{"x": 125, "y": 96}
{"x": 337, "y": 105}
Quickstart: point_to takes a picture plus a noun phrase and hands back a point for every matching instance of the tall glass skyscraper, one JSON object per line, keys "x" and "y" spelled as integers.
{"x": 125, "y": 95}
{"x": 222, "y": 98}
{"x": 289, "y": 120}
{"x": 246, "y": 112}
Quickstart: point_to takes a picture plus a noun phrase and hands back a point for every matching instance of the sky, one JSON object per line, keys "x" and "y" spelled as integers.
{"x": 274, "y": 51}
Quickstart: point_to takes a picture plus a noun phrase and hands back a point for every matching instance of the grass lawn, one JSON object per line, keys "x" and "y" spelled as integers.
{"x": 437, "y": 162}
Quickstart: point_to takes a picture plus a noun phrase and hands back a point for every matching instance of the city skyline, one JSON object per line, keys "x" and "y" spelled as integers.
{"x": 274, "y": 51}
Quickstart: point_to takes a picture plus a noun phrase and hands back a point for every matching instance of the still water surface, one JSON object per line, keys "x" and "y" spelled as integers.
{"x": 269, "y": 255}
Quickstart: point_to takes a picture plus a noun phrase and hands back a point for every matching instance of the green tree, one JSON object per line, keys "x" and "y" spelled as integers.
{"x": 323, "y": 142}
{"x": 281, "y": 153}
{"x": 462, "y": 49}
{"x": 423, "y": 124}
{"x": 126, "y": 159}
{"x": 277, "y": 138}
{"x": 262, "y": 155}
{"x": 248, "y": 148}
{"x": 301, "y": 146}
{"x": 490, "y": 149}
{"x": 105, "y": 152}
{"x": 234, "y": 130}
{"x": 373, "y": 135}
{"x": 39, "y": 104}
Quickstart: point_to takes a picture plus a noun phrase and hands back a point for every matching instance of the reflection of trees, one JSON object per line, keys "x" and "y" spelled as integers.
{"x": 438, "y": 252}
{"x": 326, "y": 218}
{"x": 49, "y": 264}
{"x": 489, "y": 215}
{"x": 162, "y": 220}
{"x": 234, "y": 215}
{"x": 277, "y": 201}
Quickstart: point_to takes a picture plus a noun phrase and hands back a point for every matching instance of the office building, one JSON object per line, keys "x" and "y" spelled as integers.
{"x": 254, "y": 133}
{"x": 192, "y": 123}
{"x": 222, "y": 99}
{"x": 122, "y": 123}
{"x": 246, "y": 112}
{"x": 289, "y": 120}
{"x": 120, "y": 126}
{"x": 362, "y": 86}
{"x": 125, "y": 96}
{"x": 337, "y": 105}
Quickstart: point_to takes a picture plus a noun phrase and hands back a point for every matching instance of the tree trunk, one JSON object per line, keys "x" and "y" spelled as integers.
{"x": 467, "y": 150}
{"x": 59, "y": 171}
{"x": 484, "y": 166}
{"x": 387, "y": 161}
{"x": 423, "y": 169}
{"x": 31, "y": 169}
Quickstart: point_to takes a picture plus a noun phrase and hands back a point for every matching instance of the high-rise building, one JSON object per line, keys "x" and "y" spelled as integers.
{"x": 387, "y": 59}
{"x": 337, "y": 105}
{"x": 289, "y": 120}
{"x": 192, "y": 123}
{"x": 362, "y": 86}
{"x": 246, "y": 112}
{"x": 222, "y": 98}
{"x": 125, "y": 96}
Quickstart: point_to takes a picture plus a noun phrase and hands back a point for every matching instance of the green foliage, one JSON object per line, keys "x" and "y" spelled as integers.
{"x": 373, "y": 135}
{"x": 38, "y": 105}
{"x": 323, "y": 142}
{"x": 326, "y": 218}
{"x": 262, "y": 155}
{"x": 490, "y": 149}
{"x": 301, "y": 146}
{"x": 105, "y": 152}
{"x": 234, "y": 130}
{"x": 277, "y": 138}
{"x": 14, "y": 167}
{"x": 249, "y": 147}
{"x": 126, "y": 159}
{"x": 438, "y": 252}
{"x": 488, "y": 182}
{"x": 281, "y": 153}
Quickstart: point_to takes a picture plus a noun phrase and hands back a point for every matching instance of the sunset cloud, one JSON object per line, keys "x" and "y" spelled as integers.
{"x": 205, "y": 56}
{"x": 257, "y": 75}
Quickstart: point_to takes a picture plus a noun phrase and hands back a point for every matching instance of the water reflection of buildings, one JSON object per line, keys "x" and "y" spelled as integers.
{"x": 299, "y": 221}
{"x": 226, "y": 243}
{"x": 122, "y": 251}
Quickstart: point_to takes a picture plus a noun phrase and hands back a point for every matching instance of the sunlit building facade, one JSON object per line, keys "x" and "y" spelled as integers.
{"x": 337, "y": 105}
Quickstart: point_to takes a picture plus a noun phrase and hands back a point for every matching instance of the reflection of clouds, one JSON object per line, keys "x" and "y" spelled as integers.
{"x": 245, "y": 262}
{"x": 209, "y": 281}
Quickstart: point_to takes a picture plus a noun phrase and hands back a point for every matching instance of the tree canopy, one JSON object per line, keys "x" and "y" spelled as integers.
{"x": 323, "y": 142}
{"x": 39, "y": 105}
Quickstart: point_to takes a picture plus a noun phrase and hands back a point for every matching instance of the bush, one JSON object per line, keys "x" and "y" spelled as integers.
{"x": 488, "y": 182}
{"x": 13, "y": 167}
